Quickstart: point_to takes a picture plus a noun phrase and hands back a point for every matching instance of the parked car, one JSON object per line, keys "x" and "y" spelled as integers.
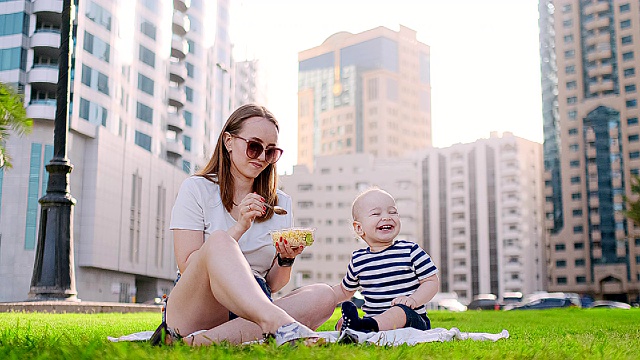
{"x": 547, "y": 301}
{"x": 485, "y": 302}
{"x": 446, "y": 301}
{"x": 610, "y": 304}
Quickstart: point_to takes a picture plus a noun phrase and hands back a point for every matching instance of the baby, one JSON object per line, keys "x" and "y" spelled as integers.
{"x": 396, "y": 277}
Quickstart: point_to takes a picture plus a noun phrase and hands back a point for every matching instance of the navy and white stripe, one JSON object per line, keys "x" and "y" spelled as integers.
{"x": 385, "y": 275}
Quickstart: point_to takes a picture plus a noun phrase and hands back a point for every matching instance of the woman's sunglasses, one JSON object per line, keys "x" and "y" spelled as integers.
{"x": 255, "y": 149}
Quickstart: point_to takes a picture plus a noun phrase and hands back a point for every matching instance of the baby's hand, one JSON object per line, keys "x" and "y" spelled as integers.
{"x": 405, "y": 300}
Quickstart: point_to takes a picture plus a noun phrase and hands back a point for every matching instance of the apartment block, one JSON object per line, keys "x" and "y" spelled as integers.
{"x": 483, "y": 215}
{"x": 143, "y": 116}
{"x": 364, "y": 93}
{"x": 592, "y": 144}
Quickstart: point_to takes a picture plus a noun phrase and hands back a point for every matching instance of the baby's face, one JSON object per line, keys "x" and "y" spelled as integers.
{"x": 377, "y": 221}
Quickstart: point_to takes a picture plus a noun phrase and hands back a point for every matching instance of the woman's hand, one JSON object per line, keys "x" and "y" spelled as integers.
{"x": 286, "y": 251}
{"x": 249, "y": 209}
{"x": 405, "y": 300}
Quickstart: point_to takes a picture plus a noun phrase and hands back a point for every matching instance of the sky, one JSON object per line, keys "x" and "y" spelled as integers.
{"x": 485, "y": 69}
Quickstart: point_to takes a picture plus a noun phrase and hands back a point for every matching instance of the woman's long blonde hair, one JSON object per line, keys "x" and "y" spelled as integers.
{"x": 218, "y": 169}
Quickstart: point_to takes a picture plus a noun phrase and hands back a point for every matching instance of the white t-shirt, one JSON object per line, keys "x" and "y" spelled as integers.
{"x": 199, "y": 207}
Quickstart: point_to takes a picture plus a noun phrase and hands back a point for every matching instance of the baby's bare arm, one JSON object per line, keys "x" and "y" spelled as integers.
{"x": 424, "y": 293}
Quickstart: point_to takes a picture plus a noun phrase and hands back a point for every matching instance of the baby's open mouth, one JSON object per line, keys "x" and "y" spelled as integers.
{"x": 385, "y": 227}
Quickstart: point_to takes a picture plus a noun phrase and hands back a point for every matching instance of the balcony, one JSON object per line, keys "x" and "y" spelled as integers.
{"x": 177, "y": 96}
{"x": 49, "y": 38}
{"x": 176, "y": 122}
{"x": 602, "y": 38}
{"x": 602, "y": 86}
{"x": 600, "y": 70}
{"x": 181, "y": 23}
{"x": 42, "y": 109}
{"x": 51, "y": 6}
{"x": 182, "y": 5}
{"x": 43, "y": 74}
{"x": 596, "y": 24}
{"x": 175, "y": 149}
{"x": 596, "y": 7}
{"x": 177, "y": 72}
{"x": 599, "y": 54}
{"x": 179, "y": 47}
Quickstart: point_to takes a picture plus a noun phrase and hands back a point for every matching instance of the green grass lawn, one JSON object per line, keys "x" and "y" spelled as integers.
{"x": 541, "y": 334}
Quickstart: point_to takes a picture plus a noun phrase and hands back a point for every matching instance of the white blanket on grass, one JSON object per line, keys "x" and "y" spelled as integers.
{"x": 409, "y": 336}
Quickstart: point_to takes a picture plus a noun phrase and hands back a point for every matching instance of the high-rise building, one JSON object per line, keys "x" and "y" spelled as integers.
{"x": 144, "y": 115}
{"x": 590, "y": 59}
{"x": 364, "y": 93}
{"x": 247, "y": 85}
{"x": 322, "y": 200}
{"x": 483, "y": 216}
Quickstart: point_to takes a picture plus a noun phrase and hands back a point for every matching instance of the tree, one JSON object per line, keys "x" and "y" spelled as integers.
{"x": 633, "y": 206}
{"x": 13, "y": 118}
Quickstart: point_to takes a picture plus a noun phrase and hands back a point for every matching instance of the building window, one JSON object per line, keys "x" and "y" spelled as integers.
{"x": 143, "y": 140}
{"x": 573, "y": 114}
{"x": 570, "y": 69}
{"x": 571, "y": 85}
{"x": 13, "y": 58}
{"x": 192, "y": 46}
{"x": 186, "y": 166}
{"x": 95, "y": 46}
{"x": 568, "y": 39}
{"x": 560, "y": 247}
{"x": 579, "y": 262}
{"x": 572, "y": 100}
{"x": 573, "y": 131}
{"x": 144, "y": 113}
{"x": 569, "y": 54}
{"x": 147, "y": 56}
{"x": 627, "y": 56}
{"x": 372, "y": 89}
{"x": 567, "y": 23}
{"x": 631, "y": 88}
{"x": 148, "y": 29}
{"x": 576, "y": 196}
{"x": 626, "y": 40}
{"x": 575, "y": 179}
{"x": 99, "y": 15}
{"x": 93, "y": 112}
{"x": 624, "y": 24}
{"x": 578, "y": 229}
{"x": 631, "y": 103}
{"x": 577, "y": 212}
{"x": 581, "y": 279}
{"x": 634, "y": 138}
{"x": 634, "y": 155}
{"x": 186, "y": 140}
{"x": 561, "y": 263}
{"x": 625, "y": 8}
{"x": 629, "y": 72}
{"x": 188, "y": 118}
{"x": 145, "y": 84}
{"x": 574, "y": 163}
{"x": 190, "y": 69}
{"x": 95, "y": 79}
{"x": 15, "y": 23}
{"x": 578, "y": 245}
{"x": 574, "y": 147}
{"x": 189, "y": 92}
{"x": 632, "y": 121}
{"x": 561, "y": 280}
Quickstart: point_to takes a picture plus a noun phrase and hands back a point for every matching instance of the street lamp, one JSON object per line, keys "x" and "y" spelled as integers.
{"x": 53, "y": 270}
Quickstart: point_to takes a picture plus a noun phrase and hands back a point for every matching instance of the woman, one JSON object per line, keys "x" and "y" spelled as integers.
{"x": 228, "y": 264}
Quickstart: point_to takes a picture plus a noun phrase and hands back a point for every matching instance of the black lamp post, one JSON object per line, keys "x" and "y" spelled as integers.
{"x": 53, "y": 270}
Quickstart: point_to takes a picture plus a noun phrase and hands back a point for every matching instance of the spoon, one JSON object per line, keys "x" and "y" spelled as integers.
{"x": 277, "y": 209}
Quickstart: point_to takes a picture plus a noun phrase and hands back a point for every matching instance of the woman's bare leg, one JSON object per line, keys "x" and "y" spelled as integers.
{"x": 218, "y": 280}
{"x": 311, "y": 305}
